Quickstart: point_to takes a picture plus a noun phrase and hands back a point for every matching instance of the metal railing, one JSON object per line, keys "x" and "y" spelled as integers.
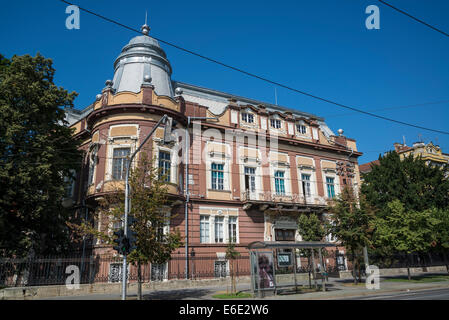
{"x": 38, "y": 271}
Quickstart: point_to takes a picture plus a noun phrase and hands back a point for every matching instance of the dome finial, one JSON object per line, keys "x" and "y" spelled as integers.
{"x": 145, "y": 28}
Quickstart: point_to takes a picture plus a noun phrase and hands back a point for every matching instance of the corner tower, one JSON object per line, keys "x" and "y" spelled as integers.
{"x": 143, "y": 60}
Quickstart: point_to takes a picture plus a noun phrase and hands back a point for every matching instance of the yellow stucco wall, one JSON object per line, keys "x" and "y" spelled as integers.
{"x": 118, "y": 131}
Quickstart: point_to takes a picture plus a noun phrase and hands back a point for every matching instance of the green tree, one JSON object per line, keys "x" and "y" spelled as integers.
{"x": 37, "y": 155}
{"x": 149, "y": 208}
{"x": 352, "y": 224}
{"x": 311, "y": 228}
{"x": 232, "y": 254}
{"x": 441, "y": 232}
{"x": 417, "y": 185}
{"x": 405, "y": 231}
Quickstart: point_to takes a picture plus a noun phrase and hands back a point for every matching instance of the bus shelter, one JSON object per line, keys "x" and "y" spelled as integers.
{"x": 274, "y": 265}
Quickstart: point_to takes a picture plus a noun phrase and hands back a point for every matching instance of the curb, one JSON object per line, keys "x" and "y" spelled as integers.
{"x": 375, "y": 292}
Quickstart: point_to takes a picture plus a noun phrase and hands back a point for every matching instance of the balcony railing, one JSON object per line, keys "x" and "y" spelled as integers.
{"x": 269, "y": 196}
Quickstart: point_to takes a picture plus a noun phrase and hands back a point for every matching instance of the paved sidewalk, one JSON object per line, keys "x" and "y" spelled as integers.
{"x": 339, "y": 289}
{"x": 336, "y": 289}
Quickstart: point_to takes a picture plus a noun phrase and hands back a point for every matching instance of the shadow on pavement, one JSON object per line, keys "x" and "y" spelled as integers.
{"x": 178, "y": 294}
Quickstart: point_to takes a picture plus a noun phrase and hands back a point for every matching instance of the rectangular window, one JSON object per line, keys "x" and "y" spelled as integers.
{"x": 247, "y": 117}
{"x": 284, "y": 234}
{"x": 306, "y": 184}
{"x": 330, "y": 187}
{"x": 279, "y": 183}
{"x": 250, "y": 179}
{"x": 117, "y": 224}
{"x": 160, "y": 232}
{"x": 219, "y": 230}
{"x": 275, "y": 123}
{"x": 204, "y": 229}
{"x": 164, "y": 166}
{"x": 119, "y": 163}
{"x": 302, "y": 129}
{"x": 232, "y": 228}
{"x": 217, "y": 176}
{"x": 220, "y": 269}
{"x": 91, "y": 172}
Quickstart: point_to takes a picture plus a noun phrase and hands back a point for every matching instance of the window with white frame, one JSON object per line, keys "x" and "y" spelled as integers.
{"x": 204, "y": 229}
{"x": 164, "y": 165}
{"x": 232, "y": 229}
{"x": 217, "y": 176}
{"x": 275, "y": 123}
{"x": 279, "y": 182}
{"x": 247, "y": 117}
{"x": 119, "y": 162}
{"x": 250, "y": 179}
{"x": 306, "y": 184}
{"x": 219, "y": 229}
{"x": 69, "y": 186}
{"x": 116, "y": 225}
{"x": 301, "y": 128}
{"x": 220, "y": 269}
{"x": 90, "y": 179}
{"x": 330, "y": 187}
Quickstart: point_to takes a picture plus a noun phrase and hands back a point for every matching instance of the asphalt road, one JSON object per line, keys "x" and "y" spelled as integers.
{"x": 432, "y": 294}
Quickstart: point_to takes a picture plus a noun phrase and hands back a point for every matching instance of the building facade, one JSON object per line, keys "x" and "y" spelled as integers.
{"x": 253, "y": 167}
{"x": 430, "y": 153}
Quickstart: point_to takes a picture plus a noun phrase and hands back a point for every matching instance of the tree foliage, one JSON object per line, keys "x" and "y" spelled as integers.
{"x": 441, "y": 230}
{"x": 150, "y": 209}
{"x": 311, "y": 228}
{"x": 353, "y": 221}
{"x": 415, "y": 184}
{"x": 37, "y": 153}
{"x": 405, "y": 231}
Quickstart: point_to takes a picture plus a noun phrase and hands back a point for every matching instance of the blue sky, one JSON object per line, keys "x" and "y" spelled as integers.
{"x": 321, "y": 47}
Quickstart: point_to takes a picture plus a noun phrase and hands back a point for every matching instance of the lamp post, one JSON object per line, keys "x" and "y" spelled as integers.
{"x": 128, "y": 201}
{"x": 186, "y": 208}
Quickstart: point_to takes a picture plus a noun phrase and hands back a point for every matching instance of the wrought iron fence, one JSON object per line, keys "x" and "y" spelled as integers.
{"x": 39, "y": 271}
{"x": 415, "y": 260}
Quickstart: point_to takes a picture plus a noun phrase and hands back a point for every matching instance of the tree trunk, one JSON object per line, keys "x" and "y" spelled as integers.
{"x": 408, "y": 268}
{"x": 233, "y": 288}
{"x": 308, "y": 268}
{"x": 354, "y": 271}
{"x": 445, "y": 261}
{"x": 359, "y": 270}
{"x": 139, "y": 281}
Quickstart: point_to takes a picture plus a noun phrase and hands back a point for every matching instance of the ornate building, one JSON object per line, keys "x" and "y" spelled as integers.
{"x": 254, "y": 167}
{"x": 430, "y": 153}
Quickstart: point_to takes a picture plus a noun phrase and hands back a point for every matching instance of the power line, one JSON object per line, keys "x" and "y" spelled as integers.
{"x": 414, "y": 18}
{"x": 391, "y": 108}
{"x": 260, "y": 77}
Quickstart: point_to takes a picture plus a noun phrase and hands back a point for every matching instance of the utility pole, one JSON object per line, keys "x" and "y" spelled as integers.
{"x": 128, "y": 202}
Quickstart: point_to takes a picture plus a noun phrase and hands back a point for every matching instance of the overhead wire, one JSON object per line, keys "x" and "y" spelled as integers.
{"x": 260, "y": 77}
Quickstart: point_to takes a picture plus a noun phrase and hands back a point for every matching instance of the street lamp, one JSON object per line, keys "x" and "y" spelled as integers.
{"x": 186, "y": 208}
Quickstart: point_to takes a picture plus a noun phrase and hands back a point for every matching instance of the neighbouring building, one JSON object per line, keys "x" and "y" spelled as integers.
{"x": 252, "y": 171}
{"x": 430, "y": 153}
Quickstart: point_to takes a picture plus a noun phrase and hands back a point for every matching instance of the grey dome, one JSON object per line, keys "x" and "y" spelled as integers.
{"x": 141, "y": 57}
